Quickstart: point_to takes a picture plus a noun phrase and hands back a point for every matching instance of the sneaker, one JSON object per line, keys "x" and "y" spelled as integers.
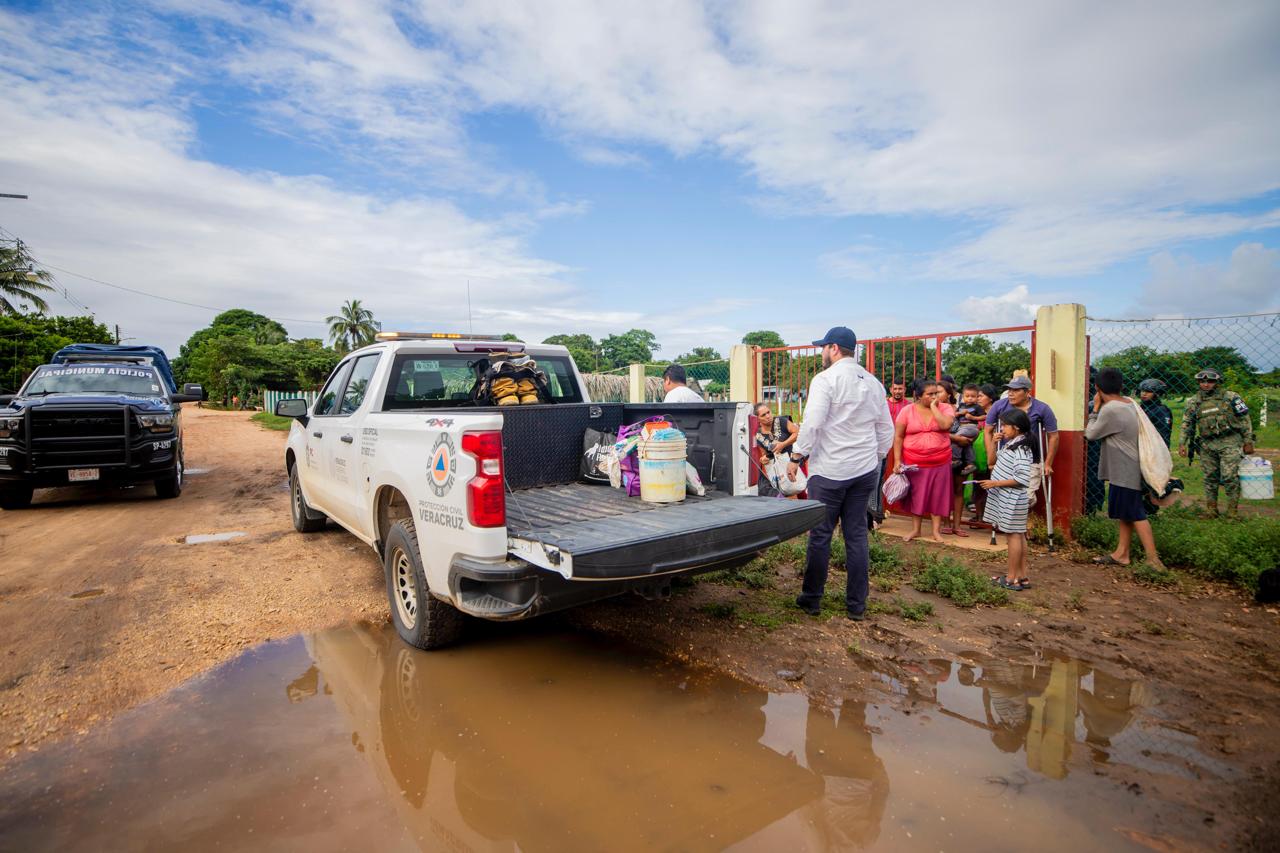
{"x": 811, "y": 609}
{"x": 856, "y": 616}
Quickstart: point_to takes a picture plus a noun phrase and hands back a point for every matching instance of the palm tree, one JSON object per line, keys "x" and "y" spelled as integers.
{"x": 19, "y": 279}
{"x": 352, "y": 327}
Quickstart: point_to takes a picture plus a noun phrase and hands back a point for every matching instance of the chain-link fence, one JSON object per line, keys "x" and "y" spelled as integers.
{"x": 1244, "y": 349}
{"x": 709, "y": 379}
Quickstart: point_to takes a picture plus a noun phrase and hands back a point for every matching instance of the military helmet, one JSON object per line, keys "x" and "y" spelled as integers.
{"x": 1209, "y": 375}
{"x": 1155, "y": 386}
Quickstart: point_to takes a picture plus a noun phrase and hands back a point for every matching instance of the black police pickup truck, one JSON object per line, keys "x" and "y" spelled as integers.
{"x": 99, "y": 413}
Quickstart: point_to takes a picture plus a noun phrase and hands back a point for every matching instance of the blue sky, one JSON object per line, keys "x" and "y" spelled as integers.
{"x": 700, "y": 170}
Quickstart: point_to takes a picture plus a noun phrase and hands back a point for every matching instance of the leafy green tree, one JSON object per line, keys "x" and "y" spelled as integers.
{"x": 21, "y": 281}
{"x": 583, "y": 348}
{"x": 978, "y": 361}
{"x": 699, "y": 354}
{"x": 352, "y": 327}
{"x": 776, "y": 367}
{"x": 632, "y": 347}
{"x": 30, "y": 340}
{"x": 258, "y": 328}
{"x": 510, "y": 336}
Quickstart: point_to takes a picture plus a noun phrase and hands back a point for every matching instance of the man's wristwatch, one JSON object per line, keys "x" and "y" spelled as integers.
{"x": 798, "y": 458}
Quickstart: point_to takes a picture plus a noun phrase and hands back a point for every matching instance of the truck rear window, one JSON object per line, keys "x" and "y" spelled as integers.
{"x": 447, "y": 380}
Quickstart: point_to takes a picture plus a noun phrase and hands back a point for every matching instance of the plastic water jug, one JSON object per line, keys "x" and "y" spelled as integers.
{"x": 1256, "y": 483}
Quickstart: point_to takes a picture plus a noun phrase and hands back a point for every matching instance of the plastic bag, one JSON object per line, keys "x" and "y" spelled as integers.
{"x": 897, "y": 486}
{"x": 1153, "y": 454}
{"x": 692, "y": 481}
{"x": 778, "y": 474}
{"x": 595, "y": 445}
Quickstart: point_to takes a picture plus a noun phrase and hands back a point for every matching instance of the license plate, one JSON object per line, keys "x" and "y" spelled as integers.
{"x": 82, "y": 475}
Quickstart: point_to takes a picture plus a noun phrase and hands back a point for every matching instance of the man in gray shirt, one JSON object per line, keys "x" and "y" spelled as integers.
{"x": 1114, "y": 422}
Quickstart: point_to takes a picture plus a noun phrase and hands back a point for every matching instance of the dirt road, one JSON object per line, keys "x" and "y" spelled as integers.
{"x": 103, "y": 606}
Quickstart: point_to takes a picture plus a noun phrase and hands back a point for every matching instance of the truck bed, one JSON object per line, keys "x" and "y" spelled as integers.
{"x": 601, "y": 534}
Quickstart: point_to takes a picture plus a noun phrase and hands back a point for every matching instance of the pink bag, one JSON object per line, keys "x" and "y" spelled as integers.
{"x": 897, "y": 487}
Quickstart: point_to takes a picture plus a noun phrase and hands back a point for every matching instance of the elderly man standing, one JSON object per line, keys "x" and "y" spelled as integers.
{"x": 845, "y": 434}
{"x": 1044, "y": 426}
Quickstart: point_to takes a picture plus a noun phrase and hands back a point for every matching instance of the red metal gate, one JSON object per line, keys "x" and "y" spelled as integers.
{"x": 785, "y": 372}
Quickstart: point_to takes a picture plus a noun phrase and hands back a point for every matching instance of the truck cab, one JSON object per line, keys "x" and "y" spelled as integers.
{"x": 479, "y": 509}
{"x": 97, "y": 415}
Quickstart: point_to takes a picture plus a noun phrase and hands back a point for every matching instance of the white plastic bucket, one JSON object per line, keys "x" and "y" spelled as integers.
{"x": 662, "y": 471}
{"x": 1256, "y": 483}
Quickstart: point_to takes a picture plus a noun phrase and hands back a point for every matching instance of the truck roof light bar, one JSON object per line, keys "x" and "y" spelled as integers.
{"x": 433, "y": 336}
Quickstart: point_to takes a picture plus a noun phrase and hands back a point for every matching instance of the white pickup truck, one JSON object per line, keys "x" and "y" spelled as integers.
{"x": 479, "y": 509}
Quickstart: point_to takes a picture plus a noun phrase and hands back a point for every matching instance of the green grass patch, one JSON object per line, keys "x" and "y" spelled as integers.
{"x": 758, "y": 574}
{"x": 1152, "y": 576}
{"x": 718, "y": 610}
{"x": 945, "y": 576}
{"x": 770, "y": 620}
{"x": 913, "y": 611}
{"x": 267, "y": 420}
{"x": 1231, "y": 550}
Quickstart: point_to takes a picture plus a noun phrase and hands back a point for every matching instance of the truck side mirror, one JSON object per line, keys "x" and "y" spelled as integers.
{"x": 191, "y": 389}
{"x": 293, "y": 408}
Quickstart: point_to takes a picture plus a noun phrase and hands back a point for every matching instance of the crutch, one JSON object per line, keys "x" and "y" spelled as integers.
{"x": 1046, "y": 482}
{"x": 777, "y": 490}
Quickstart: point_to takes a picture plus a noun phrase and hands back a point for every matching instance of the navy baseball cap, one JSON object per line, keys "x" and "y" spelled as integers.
{"x": 841, "y": 335}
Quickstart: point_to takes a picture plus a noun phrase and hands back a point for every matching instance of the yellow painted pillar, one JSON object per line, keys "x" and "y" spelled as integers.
{"x": 635, "y": 392}
{"x": 744, "y": 374}
{"x": 1062, "y": 381}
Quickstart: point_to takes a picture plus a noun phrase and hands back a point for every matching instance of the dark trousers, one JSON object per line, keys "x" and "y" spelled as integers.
{"x": 846, "y": 502}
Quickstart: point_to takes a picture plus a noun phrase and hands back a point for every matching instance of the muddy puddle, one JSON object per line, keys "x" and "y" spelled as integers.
{"x": 545, "y": 739}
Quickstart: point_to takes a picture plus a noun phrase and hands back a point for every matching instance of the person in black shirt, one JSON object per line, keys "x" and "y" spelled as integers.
{"x": 1157, "y": 412}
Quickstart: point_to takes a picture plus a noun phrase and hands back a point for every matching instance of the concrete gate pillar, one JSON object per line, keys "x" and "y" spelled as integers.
{"x": 635, "y": 383}
{"x": 744, "y": 374}
{"x": 1061, "y": 381}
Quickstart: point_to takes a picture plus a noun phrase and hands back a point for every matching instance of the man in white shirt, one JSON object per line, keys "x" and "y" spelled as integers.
{"x": 676, "y": 383}
{"x": 845, "y": 434}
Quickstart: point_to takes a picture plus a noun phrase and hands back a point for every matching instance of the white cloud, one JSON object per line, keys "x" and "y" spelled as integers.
{"x": 1248, "y": 282}
{"x": 1012, "y": 308}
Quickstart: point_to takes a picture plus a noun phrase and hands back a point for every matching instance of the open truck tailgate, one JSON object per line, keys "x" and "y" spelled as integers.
{"x": 589, "y": 532}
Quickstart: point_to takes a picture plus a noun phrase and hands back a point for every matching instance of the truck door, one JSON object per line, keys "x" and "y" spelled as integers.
{"x": 316, "y": 479}
{"x": 347, "y": 476}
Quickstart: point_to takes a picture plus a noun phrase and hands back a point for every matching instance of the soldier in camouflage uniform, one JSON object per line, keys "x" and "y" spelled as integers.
{"x": 1221, "y": 418}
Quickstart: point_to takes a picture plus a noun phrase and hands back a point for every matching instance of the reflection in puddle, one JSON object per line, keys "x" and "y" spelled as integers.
{"x": 535, "y": 741}
{"x": 201, "y": 538}
{"x": 1047, "y": 708}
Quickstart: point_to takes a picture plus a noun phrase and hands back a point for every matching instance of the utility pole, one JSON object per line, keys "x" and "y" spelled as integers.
{"x": 117, "y": 334}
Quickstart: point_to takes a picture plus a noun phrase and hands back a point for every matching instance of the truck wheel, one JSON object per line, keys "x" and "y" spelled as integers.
{"x": 421, "y": 619}
{"x": 305, "y": 519}
{"x": 171, "y": 486}
{"x": 16, "y": 497}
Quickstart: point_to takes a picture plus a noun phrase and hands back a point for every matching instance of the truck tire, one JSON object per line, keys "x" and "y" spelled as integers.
{"x": 305, "y": 519}
{"x": 421, "y": 619}
{"x": 16, "y": 497}
{"x": 171, "y": 486}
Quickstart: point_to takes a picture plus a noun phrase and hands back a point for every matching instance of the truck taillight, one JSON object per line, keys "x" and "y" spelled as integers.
{"x": 486, "y": 501}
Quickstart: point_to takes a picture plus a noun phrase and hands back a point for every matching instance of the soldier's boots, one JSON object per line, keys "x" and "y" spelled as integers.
{"x": 1211, "y": 507}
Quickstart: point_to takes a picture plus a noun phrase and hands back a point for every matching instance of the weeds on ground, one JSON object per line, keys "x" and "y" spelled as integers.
{"x": 718, "y": 610}
{"x": 267, "y": 420}
{"x": 757, "y": 574}
{"x": 885, "y": 569}
{"x": 1153, "y": 628}
{"x": 945, "y": 576}
{"x": 1075, "y": 600}
{"x": 1235, "y": 550}
{"x": 1151, "y": 576}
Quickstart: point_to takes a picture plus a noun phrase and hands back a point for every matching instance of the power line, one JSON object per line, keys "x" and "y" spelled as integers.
{"x": 168, "y": 298}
